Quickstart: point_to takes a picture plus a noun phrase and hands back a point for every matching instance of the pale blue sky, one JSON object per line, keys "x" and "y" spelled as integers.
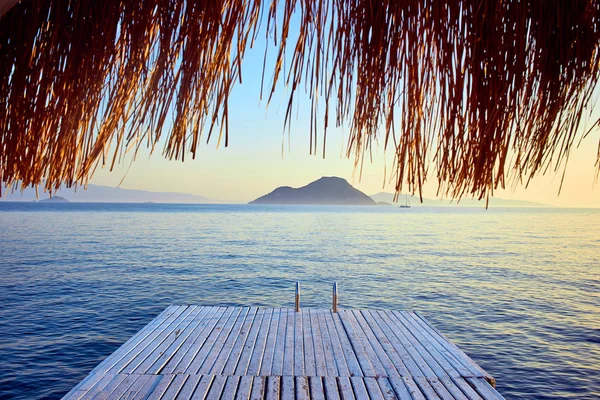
{"x": 261, "y": 157}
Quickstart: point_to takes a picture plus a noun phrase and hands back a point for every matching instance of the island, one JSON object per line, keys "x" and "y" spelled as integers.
{"x": 54, "y": 199}
{"x": 325, "y": 191}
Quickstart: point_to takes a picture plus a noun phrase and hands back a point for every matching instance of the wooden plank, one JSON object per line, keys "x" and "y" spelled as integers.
{"x": 359, "y": 388}
{"x": 455, "y": 383}
{"x": 346, "y": 391}
{"x": 108, "y": 383}
{"x": 451, "y": 347}
{"x": 161, "y": 387}
{"x": 161, "y": 360}
{"x": 139, "y": 353}
{"x": 131, "y": 343}
{"x": 203, "y": 386}
{"x": 215, "y": 360}
{"x": 374, "y": 389}
{"x": 88, "y": 383}
{"x": 288, "y": 355}
{"x": 129, "y": 350}
{"x": 189, "y": 387}
{"x": 320, "y": 368}
{"x": 169, "y": 338}
{"x": 158, "y": 342}
{"x": 119, "y": 390}
{"x": 389, "y": 369}
{"x": 342, "y": 349}
{"x": 406, "y": 388}
{"x": 101, "y": 382}
{"x": 433, "y": 357}
{"x": 257, "y": 351}
{"x": 417, "y": 367}
{"x": 443, "y": 391}
{"x": 331, "y": 388}
{"x": 175, "y": 386}
{"x": 388, "y": 391}
{"x": 240, "y": 344}
{"x": 211, "y": 344}
{"x": 277, "y": 366}
{"x": 262, "y": 362}
{"x": 188, "y": 351}
{"x": 251, "y": 344}
{"x": 390, "y": 337}
{"x": 381, "y": 338}
{"x": 427, "y": 387}
{"x": 334, "y": 359}
{"x": 144, "y": 391}
{"x": 245, "y": 388}
{"x": 468, "y": 391}
{"x": 302, "y": 388}
{"x": 443, "y": 385}
{"x": 301, "y": 354}
{"x": 317, "y": 389}
{"x": 299, "y": 348}
{"x": 358, "y": 344}
{"x": 229, "y": 345}
{"x": 273, "y": 388}
{"x": 287, "y": 388}
{"x": 134, "y": 391}
{"x": 465, "y": 392}
{"x": 231, "y": 386}
{"x": 458, "y": 354}
{"x": 404, "y": 345}
{"x": 309, "y": 351}
{"x": 258, "y": 388}
{"x": 216, "y": 389}
{"x": 448, "y": 361}
{"x": 485, "y": 389}
{"x": 131, "y": 347}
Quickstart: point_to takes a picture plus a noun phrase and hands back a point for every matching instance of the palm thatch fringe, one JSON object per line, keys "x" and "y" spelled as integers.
{"x": 488, "y": 91}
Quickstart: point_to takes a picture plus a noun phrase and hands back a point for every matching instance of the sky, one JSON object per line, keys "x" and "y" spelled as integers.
{"x": 261, "y": 157}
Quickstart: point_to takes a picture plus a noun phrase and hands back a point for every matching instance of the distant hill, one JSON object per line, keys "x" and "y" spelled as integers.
{"x": 494, "y": 201}
{"x": 107, "y": 194}
{"x": 325, "y": 191}
{"x": 54, "y": 199}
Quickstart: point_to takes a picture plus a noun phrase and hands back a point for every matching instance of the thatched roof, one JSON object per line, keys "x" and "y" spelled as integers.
{"x": 485, "y": 91}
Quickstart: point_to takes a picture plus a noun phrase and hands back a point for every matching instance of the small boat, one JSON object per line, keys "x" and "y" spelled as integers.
{"x": 405, "y": 205}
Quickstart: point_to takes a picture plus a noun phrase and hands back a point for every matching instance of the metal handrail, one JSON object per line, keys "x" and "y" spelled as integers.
{"x": 335, "y": 298}
{"x": 297, "y": 296}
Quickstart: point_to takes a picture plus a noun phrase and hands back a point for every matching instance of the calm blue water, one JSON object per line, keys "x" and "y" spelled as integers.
{"x": 517, "y": 289}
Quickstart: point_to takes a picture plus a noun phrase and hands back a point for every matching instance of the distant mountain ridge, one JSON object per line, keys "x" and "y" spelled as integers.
{"x": 107, "y": 194}
{"x": 325, "y": 191}
{"x": 415, "y": 201}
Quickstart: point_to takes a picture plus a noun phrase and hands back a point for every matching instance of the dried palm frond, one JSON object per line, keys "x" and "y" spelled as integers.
{"x": 487, "y": 91}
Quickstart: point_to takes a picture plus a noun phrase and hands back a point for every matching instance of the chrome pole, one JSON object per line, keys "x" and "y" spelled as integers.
{"x": 335, "y": 297}
{"x": 297, "y": 296}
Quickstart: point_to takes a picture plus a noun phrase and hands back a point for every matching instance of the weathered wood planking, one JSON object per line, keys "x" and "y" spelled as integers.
{"x": 191, "y": 352}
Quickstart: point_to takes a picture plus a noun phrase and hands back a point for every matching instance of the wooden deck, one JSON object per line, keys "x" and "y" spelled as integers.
{"x": 193, "y": 352}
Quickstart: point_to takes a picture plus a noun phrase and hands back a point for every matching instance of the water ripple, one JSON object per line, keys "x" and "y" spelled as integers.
{"x": 516, "y": 289}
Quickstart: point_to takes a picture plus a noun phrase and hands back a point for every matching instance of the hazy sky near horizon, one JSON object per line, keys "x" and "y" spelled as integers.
{"x": 249, "y": 168}
{"x": 261, "y": 157}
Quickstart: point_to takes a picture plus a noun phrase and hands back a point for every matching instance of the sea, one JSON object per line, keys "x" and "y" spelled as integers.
{"x": 517, "y": 289}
